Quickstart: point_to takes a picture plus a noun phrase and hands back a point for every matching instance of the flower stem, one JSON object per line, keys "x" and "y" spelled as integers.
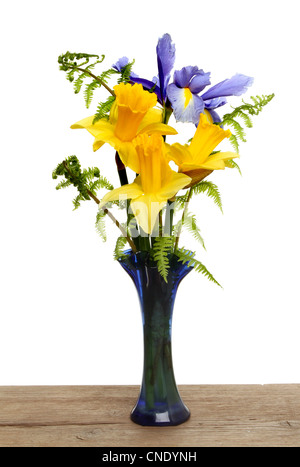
{"x": 121, "y": 170}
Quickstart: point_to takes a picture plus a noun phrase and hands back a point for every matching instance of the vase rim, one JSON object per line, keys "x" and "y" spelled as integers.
{"x": 144, "y": 255}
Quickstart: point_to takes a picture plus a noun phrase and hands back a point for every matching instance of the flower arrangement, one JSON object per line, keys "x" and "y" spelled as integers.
{"x": 134, "y": 121}
{"x": 157, "y": 182}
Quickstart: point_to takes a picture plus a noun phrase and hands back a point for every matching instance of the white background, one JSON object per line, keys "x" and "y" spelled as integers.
{"x": 69, "y": 314}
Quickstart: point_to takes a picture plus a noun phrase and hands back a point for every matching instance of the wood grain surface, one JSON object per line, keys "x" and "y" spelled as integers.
{"x": 97, "y": 416}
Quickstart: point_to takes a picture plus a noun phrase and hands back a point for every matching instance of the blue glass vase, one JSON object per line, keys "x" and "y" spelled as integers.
{"x": 159, "y": 402}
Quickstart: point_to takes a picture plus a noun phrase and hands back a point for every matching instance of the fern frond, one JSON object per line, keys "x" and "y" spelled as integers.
{"x": 234, "y": 142}
{"x": 126, "y": 72}
{"x": 63, "y": 184}
{"x": 190, "y": 223}
{"x": 211, "y": 190}
{"x": 243, "y": 112}
{"x": 107, "y": 74}
{"x": 187, "y": 256}
{"x": 161, "y": 249}
{"x": 233, "y": 165}
{"x": 100, "y": 224}
{"x": 83, "y": 180}
{"x": 89, "y": 92}
{"x": 120, "y": 244}
{"x": 239, "y": 132}
{"x": 103, "y": 109}
{"x": 79, "y": 82}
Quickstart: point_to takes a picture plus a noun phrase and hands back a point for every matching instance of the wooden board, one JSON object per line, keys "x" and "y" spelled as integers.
{"x": 95, "y": 416}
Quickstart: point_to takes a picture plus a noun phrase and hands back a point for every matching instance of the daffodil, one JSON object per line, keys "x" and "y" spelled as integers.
{"x": 198, "y": 155}
{"x": 132, "y": 114}
{"x": 156, "y": 184}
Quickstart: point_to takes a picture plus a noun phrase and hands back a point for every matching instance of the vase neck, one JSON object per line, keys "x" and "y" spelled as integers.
{"x": 149, "y": 283}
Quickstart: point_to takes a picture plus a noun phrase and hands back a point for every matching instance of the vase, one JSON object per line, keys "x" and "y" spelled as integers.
{"x": 159, "y": 402}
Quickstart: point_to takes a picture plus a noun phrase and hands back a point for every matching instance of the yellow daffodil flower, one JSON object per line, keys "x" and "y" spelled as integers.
{"x": 131, "y": 114}
{"x": 156, "y": 184}
{"x": 197, "y": 156}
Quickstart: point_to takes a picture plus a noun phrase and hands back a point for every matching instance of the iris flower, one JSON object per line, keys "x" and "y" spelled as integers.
{"x": 183, "y": 93}
{"x": 131, "y": 114}
{"x": 198, "y": 157}
{"x": 156, "y": 184}
{"x": 190, "y": 81}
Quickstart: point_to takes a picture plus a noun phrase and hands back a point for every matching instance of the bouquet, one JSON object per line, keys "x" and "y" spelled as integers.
{"x": 158, "y": 178}
{"x": 134, "y": 121}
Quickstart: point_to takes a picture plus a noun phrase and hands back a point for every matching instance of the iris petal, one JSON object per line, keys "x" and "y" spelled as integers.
{"x": 165, "y": 60}
{"x": 234, "y": 86}
{"x": 199, "y": 82}
{"x": 185, "y": 111}
{"x": 214, "y": 103}
{"x": 183, "y": 77}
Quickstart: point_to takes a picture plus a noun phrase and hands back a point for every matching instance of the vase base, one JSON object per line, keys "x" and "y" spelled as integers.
{"x": 171, "y": 417}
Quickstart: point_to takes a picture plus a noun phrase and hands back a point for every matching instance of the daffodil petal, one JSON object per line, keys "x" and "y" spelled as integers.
{"x": 129, "y": 156}
{"x": 130, "y": 191}
{"x": 178, "y": 153}
{"x": 97, "y": 145}
{"x": 152, "y": 116}
{"x": 159, "y": 129}
{"x": 224, "y": 156}
{"x": 105, "y": 135}
{"x": 176, "y": 182}
{"x": 206, "y": 139}
{"x": 146, "y": 209}
{"x": 87, "y": 124}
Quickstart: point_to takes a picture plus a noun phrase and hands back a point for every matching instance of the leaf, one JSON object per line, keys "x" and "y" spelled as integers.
{"x": 120, "y": 244}
{"x": 161, "y": 249}
{"x": 187, "y": 256}
{"x": 100, "y": 224}
{"x": 103, "y": 109}
{"x": 211, "y": 190}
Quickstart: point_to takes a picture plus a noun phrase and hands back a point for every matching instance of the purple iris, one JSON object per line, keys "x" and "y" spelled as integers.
{"x": 183, "y": 93}
{"x": 190, "y": 81}
{"x": 165, "y": 51}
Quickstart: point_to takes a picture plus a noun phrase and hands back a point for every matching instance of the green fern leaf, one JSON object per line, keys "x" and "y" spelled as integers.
{"x": 120, "y": 244}
{"x": 100, "y": 224}
{"x": 89, "y": 92}
{"x": 126, "y": 72}
{"x": 187, "y": 256}
{"x": 190, "y": 223}
{"x": 233, "y": 165}
{"x": 161, "y": 250}
{"x": 103, "y": 109}
{"x": 244, "y": 111}
{"x": 211, "y": 190}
